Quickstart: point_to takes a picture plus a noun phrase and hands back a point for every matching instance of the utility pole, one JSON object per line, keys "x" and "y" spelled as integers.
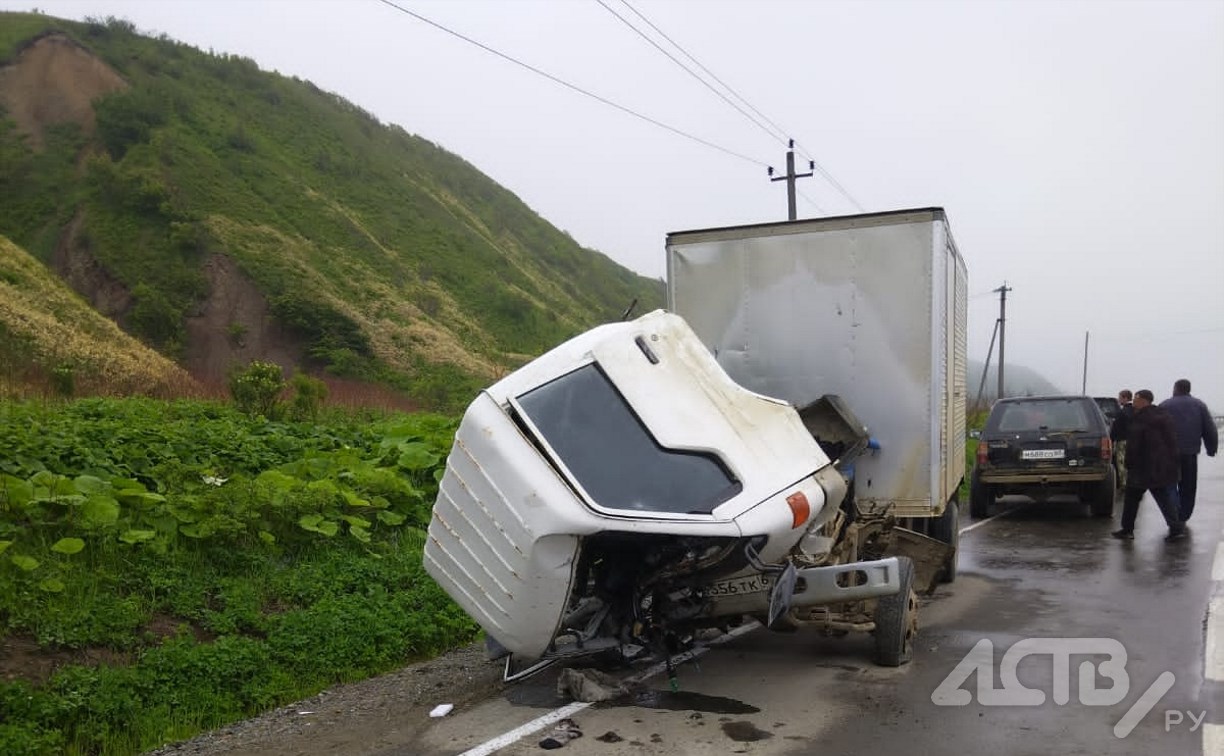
{"x": 1084, "y": 385}
{"x": 1002, "y": 290}
{"x": 790, "y": 177}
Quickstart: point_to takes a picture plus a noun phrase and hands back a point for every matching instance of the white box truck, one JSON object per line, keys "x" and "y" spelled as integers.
{"x": 648, "y": 479}
{"x": 871, "y": 308}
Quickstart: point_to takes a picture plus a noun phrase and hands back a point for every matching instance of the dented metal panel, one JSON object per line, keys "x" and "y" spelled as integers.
{"x": 857, "y": 307}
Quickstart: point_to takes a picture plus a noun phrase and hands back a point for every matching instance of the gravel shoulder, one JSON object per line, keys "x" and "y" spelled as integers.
{"x": 380, "y": 715}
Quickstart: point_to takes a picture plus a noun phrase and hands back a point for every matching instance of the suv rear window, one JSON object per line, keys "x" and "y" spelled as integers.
{"x": 613, "y": 456}
{"x": 1049, "y": 414}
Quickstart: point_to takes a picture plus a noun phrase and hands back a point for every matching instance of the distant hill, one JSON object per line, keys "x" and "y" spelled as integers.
{"x": 1020, "y": 380}
{"x": 49, "y": 336}
{"x": 221, "y": 213}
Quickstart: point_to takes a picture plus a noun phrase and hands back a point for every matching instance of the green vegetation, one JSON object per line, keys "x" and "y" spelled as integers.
{"x": 224, "y": 563}
{"x": 974, "y": 422}
{"x": 50, "y": 337}
{"x": 387, "y": 257}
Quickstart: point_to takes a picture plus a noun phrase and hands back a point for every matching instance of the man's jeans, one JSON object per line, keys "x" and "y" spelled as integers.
{"x": 1188, "y": 486}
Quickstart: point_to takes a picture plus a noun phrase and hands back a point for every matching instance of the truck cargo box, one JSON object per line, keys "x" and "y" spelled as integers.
{"x": 867, "y": 307}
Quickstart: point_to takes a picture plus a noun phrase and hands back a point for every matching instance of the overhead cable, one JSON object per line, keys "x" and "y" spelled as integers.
{"x": 689, "y": 71}
{"x": 776, "y": 129}
{"x": 777, "y": 132}
{"x": 573, "y": 87}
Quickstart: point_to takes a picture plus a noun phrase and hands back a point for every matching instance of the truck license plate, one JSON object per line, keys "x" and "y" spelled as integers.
{"x": 739, "y": 586}
{"x": 1043, "y": 454}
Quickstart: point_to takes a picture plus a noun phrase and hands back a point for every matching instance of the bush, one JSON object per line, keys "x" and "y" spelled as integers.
{"x": 256, "y": 389}
{"x": 308, "y": 396}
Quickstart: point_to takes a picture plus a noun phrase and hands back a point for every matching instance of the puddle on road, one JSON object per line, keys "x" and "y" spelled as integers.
{"x": 745, "y": 732}
{"x": 683, "y": 700}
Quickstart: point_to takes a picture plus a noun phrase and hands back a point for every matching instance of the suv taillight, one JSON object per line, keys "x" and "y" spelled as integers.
{"x": 982, "y": 453}
{"x": 1106, "y": 448}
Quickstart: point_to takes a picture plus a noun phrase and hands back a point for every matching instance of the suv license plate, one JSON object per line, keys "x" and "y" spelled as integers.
{"x": 739, "y": 586}
{"x": 1043, "y": 454}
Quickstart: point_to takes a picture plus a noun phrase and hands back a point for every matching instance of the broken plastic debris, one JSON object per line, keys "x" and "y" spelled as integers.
{"x": 589, "y": 685}
{"x": 441, "y": 710}
{"x": 565, "y": 731}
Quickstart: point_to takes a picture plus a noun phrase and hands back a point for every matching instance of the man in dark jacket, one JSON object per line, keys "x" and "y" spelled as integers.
{"x": 1193, "y": 424}
{"x": 1117, "y": 433}
{"x": 1151, "y": 465}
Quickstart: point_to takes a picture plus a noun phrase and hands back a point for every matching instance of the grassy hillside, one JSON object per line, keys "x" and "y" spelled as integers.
{"x": 231, "y": 206}
{"x": 48, "y": 335}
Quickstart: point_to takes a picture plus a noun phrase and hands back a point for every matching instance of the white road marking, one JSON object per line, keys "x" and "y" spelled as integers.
{"x": 1217, "y": 567}
{"x": 980, "y": 523}
{"x": 1213, "y": 661}
{"x": 1213, "y": 740}
{"x": 556, "y": 715}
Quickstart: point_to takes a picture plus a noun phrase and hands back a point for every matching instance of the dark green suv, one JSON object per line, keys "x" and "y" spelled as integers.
{"x": 1039, "y": 446}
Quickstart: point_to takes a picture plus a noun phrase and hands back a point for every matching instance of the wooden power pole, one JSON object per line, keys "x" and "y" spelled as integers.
{"x": 1002, "y": 290}
{"x": 790, "y": 177}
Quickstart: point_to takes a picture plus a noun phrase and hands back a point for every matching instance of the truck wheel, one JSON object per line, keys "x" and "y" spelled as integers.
{"x": 896, "y": 621}
{"x": 979, "y": 499}
{"x": 1103, "y": 497}
{"x": 946, "y": 529}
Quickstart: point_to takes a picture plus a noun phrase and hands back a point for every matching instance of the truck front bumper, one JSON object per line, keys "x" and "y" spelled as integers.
{"x": 817, "y": 586}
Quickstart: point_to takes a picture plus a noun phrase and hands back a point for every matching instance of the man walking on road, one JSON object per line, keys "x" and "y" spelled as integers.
{"x": 1117, "y": 433}
{"x": 1193, "y": 424}
{"x": 1151, "y": 465}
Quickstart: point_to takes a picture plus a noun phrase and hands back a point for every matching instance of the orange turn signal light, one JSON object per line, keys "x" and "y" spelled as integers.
{"x": 800, "y": 509}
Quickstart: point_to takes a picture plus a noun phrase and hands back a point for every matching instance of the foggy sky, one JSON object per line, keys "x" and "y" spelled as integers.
{"x": 1078, "y": 147}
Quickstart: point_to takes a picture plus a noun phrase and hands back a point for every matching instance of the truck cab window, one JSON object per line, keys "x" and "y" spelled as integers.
{"x": 613, "y": 457}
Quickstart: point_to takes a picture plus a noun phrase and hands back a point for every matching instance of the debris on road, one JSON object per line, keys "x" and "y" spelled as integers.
{"x": 565, "y": 731}
{"x": 590, "y": 685}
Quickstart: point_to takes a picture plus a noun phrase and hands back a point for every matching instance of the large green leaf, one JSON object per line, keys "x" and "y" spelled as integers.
{"x": 88, "y": 484}
{"x": 4, "y": 546}
{"x": 277, "y": 480}
{"x": 15, "y": 491}
{"x": 137, "y": 536}
{"x": 140, "y": 499}
{"x": 415, "y": 455}
{"x": 24, "y": 562}
{"x": 391, "y": 518}
{"x": 68, "y": 546}
{"x": 100, "y": 510}
{"x": 317, "y": 523}
{"x": 52, "y": 585}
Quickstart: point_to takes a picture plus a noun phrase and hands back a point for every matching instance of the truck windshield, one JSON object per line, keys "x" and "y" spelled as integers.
{"x": 612, "y": 455}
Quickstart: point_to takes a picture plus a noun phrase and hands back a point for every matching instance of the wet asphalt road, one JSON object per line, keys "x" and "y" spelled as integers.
{"x": 1042, "y": 571}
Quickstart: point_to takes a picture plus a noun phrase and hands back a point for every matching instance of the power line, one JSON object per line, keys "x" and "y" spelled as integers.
{"x": 776, "y": 128}
{"x": 573, "y": 87}
{"x": 812, "y": 202}
{"x": 686, "y": 69}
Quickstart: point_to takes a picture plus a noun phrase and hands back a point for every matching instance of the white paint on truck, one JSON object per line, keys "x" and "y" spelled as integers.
{"x": 869, "y": 307}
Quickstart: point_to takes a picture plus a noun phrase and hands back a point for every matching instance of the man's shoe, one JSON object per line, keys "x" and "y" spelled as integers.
{"x": 1125, "y": 535}
{"x": 1176, "y": 535}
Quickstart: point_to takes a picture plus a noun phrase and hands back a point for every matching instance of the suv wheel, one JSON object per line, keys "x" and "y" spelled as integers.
{"x": 1102, "y": 498}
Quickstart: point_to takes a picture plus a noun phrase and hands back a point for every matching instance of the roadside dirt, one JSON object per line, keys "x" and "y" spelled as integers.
{"x": 382, "y": 714}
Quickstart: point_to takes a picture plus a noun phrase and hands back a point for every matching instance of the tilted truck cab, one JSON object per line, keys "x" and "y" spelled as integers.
{"x": 752, "y": 453}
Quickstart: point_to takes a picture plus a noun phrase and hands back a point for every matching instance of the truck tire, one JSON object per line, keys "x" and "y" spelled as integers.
{"x": 979, "y": 499}
{"x": 946, "y": 529}
{"x": 896, "y": 621}
{"x": 1102, "y": 502}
